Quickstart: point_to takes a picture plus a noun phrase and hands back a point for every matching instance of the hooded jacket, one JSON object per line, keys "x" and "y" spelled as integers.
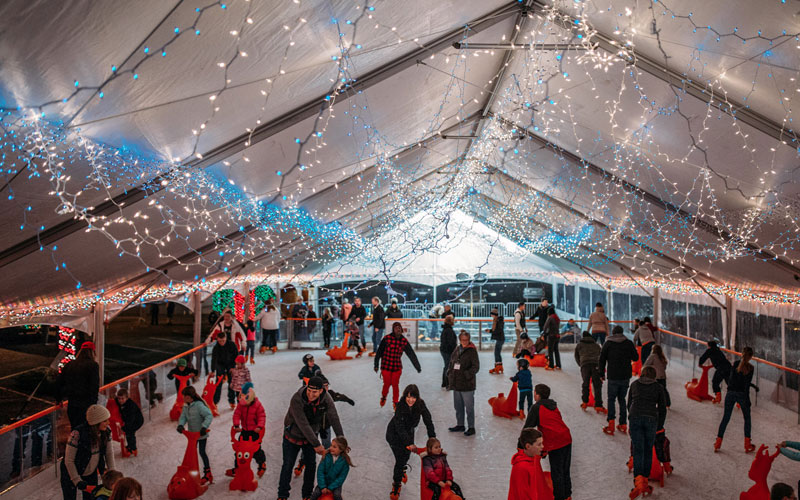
{"x": 132, "y": 419}
{"x": 464, "y": 366}
{"x": 598, "y": 321}
{"x": 400, "y": 431}
{"x": 393, "y": 311}
{"x": 195, "y": 416}
{"x": 250, "y": 416}
{"x": 587, "y": 352}
{"x": 546, "y": 416}
{"x": 435, "y": 468}
{"x": 304, "y": 419}
{"x": 618, "y": 352}
{"x": 646, "y": 399}
{"x": 448, "y": 340}
{"x": 644, "y": 335}
{"x": 660, "y": 366}
{"x": 528, "y": 481}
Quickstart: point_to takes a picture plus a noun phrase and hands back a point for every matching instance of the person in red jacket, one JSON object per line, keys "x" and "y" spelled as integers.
{"x": 250, "y": 418}
{"x": 528, "y": 481}
{"x": 388, "y": 356}
{"x": 557, "y": 439}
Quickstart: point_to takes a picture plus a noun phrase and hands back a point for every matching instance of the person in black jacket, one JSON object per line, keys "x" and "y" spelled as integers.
{"x": 542, "y": 312}
{"x": 358, "y": 313}
{"x": 223, "y": 359}
{"x": 618, "y": 352}
{"x": 739, "y": 383}
{"x": 394, "y": 312}
{"x": 378, "y": 324}
{"x": 461, "y": 375}
{"x": 499, "y": 336}
{"x": 79, "y": 384}
{"x": 400, "y": 432}
{"x": 447, "y": 342}
{"x": 722, "y": 368}
{"x": 309, "y": 369}
{"x": 647, "y": 405}
{"x": 182, "y": 368}
{"x": 132, "y": 419}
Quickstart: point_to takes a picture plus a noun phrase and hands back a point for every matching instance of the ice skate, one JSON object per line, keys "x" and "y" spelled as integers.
{"x": 299, "y": 469}
{"x": 748, "y": 446}
{"x": 252, "y": 360}
{"x": 630, "y": 464}
{"x": 230, "y": 472}
{"x": 640, "y": 488}
{"x": 207, "y": 478}
{"x": 135, "y": 453}
{"x": 497, "y": 370}
{"x": 233, "y": 406}
{"x": 405, "y": 474}
{"x": 274, "y": 350}
{"x": 584, "y": 406}
{"x": 372, "y": 354}
{"x": 667, "y": 468}
{"x": 600, "y": 409}
{"x": 383, "y": 401}
{"x": 717, "y": 398}
{"x": 261, "y": 469}
{"x": 622, "y": 428}
{"x": 262, "y": 349}
{"x": 522, "y": 414}
{"x": 609, "y": 429}
{"x": 717, "y": 444}
{"x": 395, "y": 493}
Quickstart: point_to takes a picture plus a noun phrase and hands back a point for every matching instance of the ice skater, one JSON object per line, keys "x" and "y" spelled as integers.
{"x": 527, "y": 480}
{"x": 400, "y": 433}
{"x": 739, "y": 383}
{"x": 659, "y": 361}
{"x": 197, "y": 417}
{"x": 524, "y": 382}
{"x": 132, "y": 419}
{"x": 389, "y": 356}
{"x": 249, "y": 418}
{"x": 240, "y": 375}
{"x": 551, "y": 333}
{"x": 333, "y": 470}
{"x": 524, "y": 346}
{"x": 250, "y": 335}
{"x": 437, "y": 471}
{"x": 309, "y": 369}
{"x": 587, "y": 356}
{"x": 722, "y": 368}
{"x": 557, "y": 439}
{"x": 499, "y": 336}
{"x": 223, "y": 359}
{"x": 647, "y": 405}
{"x": 182, "y": 368}
{"x": 618, "y": 353}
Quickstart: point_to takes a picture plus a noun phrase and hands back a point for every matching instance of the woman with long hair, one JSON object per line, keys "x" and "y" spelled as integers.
{"x": 88, "y": 453}
{"x": 79, "y": 384}
{"x": 197, "y": 417}
{"x": 739, "y": 383}
{"x": 400, "y": 432}
{"x": 659, "y": 361}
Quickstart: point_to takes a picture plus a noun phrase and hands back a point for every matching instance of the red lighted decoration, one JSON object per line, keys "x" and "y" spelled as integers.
{"x": 759, "y": 471}
{"x": 186, "y": 483}
{"x": 244, "y": 479}
{"x": 698, "y": 389}
{"x": 503, "y": 406}
{"x": 66, "y": 342}
{"x": 177, "y": 408}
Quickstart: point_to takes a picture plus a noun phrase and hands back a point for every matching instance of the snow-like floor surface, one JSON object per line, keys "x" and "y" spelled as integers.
{"x": 481, "y": 463}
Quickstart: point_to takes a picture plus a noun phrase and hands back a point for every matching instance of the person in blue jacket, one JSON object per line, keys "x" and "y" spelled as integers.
{"x": 524, "y": 382}
{"x": 333, "y": 470}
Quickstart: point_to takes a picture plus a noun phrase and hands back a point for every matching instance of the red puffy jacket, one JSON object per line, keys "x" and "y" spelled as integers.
{"x": 528, "y": 480}
{"x": 436, "y": 469}
{"x": 248, "y": 417}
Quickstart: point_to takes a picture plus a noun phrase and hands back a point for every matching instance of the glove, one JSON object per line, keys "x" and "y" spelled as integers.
{"x": 419, "y": 370}
{"x": 376, "y": 369}
{"x": 81, "y": 485}
{"x": 180, "y": 429}
{"x": 203, "y": 431}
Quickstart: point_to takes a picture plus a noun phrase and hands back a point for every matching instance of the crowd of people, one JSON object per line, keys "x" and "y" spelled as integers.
{"x": 311, "y": 427}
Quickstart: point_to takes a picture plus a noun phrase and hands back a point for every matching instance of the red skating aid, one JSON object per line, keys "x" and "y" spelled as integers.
{"x": 505, "y": 406}
{"x": 244, "y": 479}
{"x": 336, "y": 353}
{"x": 177, "y": 408}
{"x": 759, "y": 471}
{"x": 698, "y": 389}
{"x": 208, "y": 393}
{"x": 185, "y": 484}
{"x": 636, "y": 366}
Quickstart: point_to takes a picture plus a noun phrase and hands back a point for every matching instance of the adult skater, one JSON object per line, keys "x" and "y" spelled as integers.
{"x": 88, "y": 453}
{"x": 389, "y": 356}
{"x": 542, "y": 312}
{"x": 519, "y": 322}
{"x": 550, "y": 331}
{"x": 659, "y": 361}
{"x": 461, "y": 375}
{"x": 400, "y": 433}
{"x": 358, "y": 313}
{"x": 618, "y": 353}
{"x": 394, "y": 312}
{"x": 645, "y": 336}
{"x": 223, "y": 359}
{"x": 231, "y": 328}
{"x": 739, "y": 383}
{"x": 648, "y": 410}
{"x": 722, "y": 368}
{"x": 499, "y": 336}
{"x": 310, "y": 409}
{"x": 378, "y": 324}
{"x": 328, "y": 321}
{"x": 598, "y": 324}
{"x": 587, "y": 356}
{"x": 447, "y": 344}
{"x": 79, "y": 384}
{"x": 557, "y": 439}
{"x": 270, "y": 318}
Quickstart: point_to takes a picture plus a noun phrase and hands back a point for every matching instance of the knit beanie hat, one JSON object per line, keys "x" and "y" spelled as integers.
{"x": 96, "y": 414}
{"x": 239, "y": 359}
{"x": 182, "y": 362}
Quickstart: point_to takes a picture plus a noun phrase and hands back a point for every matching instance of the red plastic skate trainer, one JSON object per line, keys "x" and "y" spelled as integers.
{"x": 537, "y": 361}
{"x": 337, "y": 353}
{"x": 425, "y": 493}
{"x": 698, "y": 390}
{"x": 116, "y": 426}
{"x": 506, "y": 407}
{"x": 244, "y": 479}
{"x": 208, "y": 393}
{"x": 636, "y": 366}
{"x": 759, "y": 471}
{"x": 185, "y": 484}
{"x": 656, "y": 469}
{"x": 177, "y": 408}
{"x": 591, "y": 396}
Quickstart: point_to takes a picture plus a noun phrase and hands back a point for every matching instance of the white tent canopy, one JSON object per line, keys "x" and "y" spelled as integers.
{"x": 195, "y": 141}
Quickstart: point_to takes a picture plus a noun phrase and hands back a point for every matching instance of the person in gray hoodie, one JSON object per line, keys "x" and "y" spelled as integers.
{"x": 648, "y": 411}
{"x": 618, "y": 353}
{"x": 645, "y": 336}
{"x": 310, "y": 411}
{"x": 659, "y": 361}
{"x": 587, "y": 355}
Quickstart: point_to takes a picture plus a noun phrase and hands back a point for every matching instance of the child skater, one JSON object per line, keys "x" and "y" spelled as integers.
{"x": 251, "y": 341}
{"x": 524, "y": 346}
{"x": 250, "y": 418}
{"x": 110, "y": 478}
{"x": 182, "y": 368}
{"x": 659, "y": 361}
{"x": 557, "y": 439}
{"x": 722, "y": 368}
{"x": 437, "y": 471}
{"x": 132, "y": 419}
{"x": 333, "y": 470}
{"x": 240, "y": 375}
{"x": 524, "y": 384}
{"x": 351, "y": 328}
{"x": 197, "y": 416}
{"x": 527, "y": 480}
{"x": 309, "y": 368}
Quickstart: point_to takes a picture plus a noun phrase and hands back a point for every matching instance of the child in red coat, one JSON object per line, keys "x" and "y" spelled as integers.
{"x": 437, "y": 471}
{"x": 528, "y": 481}
{"x": 556, "y": 438}
{"x": 250, "y": 417}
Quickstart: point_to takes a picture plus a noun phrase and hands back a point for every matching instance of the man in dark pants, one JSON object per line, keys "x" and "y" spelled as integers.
{"x": 648, "y": 408}
{"x": 587, "y": 355}
{"x": 722, "y": 367}
{"x": 223, "y": 359}
{"x": 358, "y": 313}
{"x": 557, "y": 440}
{"x": 618, "y": 352}
{"x": 310, "y": 409}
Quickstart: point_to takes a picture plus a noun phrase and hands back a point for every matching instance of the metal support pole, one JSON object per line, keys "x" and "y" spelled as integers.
{"x": 99, "y": 334}
{"x": 197, "y": 328}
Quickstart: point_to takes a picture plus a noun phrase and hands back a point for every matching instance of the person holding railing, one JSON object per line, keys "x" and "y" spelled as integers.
{"x": 378, "y": 324}
{"x": 79, "y": 384}
{"x": 739, "y": 383}
{"x": 722, "y": 368}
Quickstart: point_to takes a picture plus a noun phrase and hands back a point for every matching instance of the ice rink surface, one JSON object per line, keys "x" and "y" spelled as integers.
{"x": 481, "y": 463}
